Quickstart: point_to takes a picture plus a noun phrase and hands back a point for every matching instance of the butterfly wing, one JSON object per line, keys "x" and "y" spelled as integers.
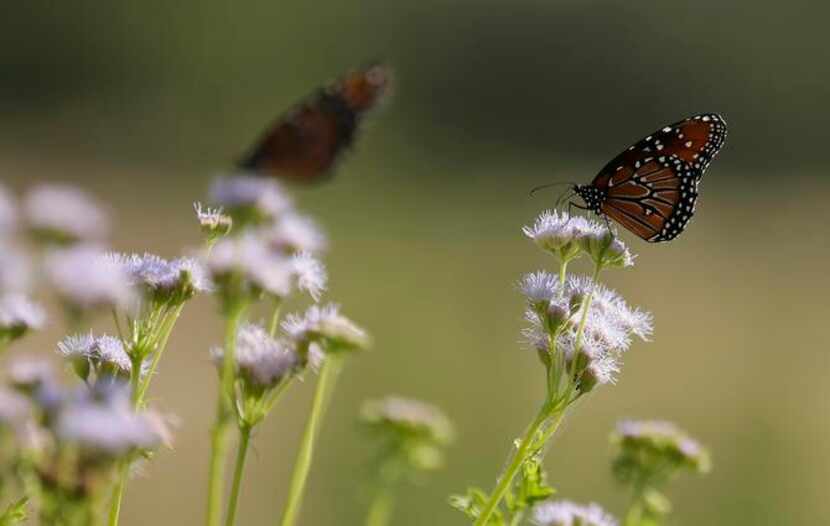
{"x": 652, "y": 187}
{"x": 306, "y": 143}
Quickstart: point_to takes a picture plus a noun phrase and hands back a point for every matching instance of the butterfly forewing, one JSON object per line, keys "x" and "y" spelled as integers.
{"x": 305, "y": 143}
{"x": 651, "y": 188}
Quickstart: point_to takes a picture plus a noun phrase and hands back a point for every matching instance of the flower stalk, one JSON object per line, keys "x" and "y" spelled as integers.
{"x": 328, "y": 377}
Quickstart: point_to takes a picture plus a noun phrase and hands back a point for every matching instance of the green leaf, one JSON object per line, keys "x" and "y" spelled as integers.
{"x": 532, "y": 487}
{"x": 471, "y": 504}
{"x": 15, "y": 513}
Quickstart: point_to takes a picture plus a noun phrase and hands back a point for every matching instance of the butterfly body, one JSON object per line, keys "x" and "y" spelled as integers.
{"x": 652, "y": 187}
{"x": 305, "y": 144}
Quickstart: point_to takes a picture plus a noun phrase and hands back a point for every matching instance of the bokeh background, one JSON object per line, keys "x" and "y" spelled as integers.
{"x": 144, "y": 102}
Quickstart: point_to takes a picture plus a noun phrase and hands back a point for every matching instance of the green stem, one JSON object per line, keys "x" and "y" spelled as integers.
{"x": 328, "y": 377}
{"x": 380, "y": 511}
{"x": 275, "y": 319}
{"x": 527, "y": 444}
{"x": 218, "y": 439}
{"x": 563, "y": 271}
{"x": 586, "y": 306}
{"x": 167, "y": 329}
{"x": 517, "y": 518}
{"x": 118, "y": 492}
{"x": 241, "y": 453}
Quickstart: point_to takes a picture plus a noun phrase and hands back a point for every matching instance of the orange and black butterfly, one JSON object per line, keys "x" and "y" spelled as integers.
{"x": 305, "y": 143}
{"x": 651, "y": 188}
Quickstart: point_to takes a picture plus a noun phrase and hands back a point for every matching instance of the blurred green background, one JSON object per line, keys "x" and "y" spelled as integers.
{"x": 143, "y": 102}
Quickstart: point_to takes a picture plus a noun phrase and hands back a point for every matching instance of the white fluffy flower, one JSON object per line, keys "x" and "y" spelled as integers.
{"x": 109, "y": 429}
{"x": 309, "y": 273}
{"x": 214, "y": 221}
{"x": 559, "y": 233}
{"x": 566, "y": 513}
{"x": 65, "y": 213}
{"x": 259, "y": 196}
{"x": 663, "y": 437}
{"x": 99, "y": 350}
{"x": 294, "y": 232}
{"x": 166, "y": 277}
{"x": 325, "y": 324}
{"x": 85, "y": 278}
{"x": 409, "y": 415}
{"x": 609, "y": 325}
{"x": 249, "y": 258}
{"x": 18, "y": 313}
{"x": 261, "y": 359}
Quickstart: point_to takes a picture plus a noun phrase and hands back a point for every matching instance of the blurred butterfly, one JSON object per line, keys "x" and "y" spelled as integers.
{"x": 651, "y": 188}
{"x": 305, "y": 143}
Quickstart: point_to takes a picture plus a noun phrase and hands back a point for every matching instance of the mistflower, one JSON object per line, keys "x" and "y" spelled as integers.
{"x": 309, "y": 273}
{"x": 412, "y": 432}
{"x": 566, "y": 513}
{"x": 249, "y": 199}
{"x": 244, "y": 267}
{"x": 85, "y": 278}
{"x": 646, "y": 444}
{"x": 26, "y": 374}
{"x": 8, "y": 211}
{"x": 214, "y": 222}
{"x": 165, "y": 281}
{"x": 18, "y": 315}
{"x": 36, "y": 379}
{"x": 262, "y": 361}
{"x": 109, "y": 430}
{"x": 609, "y": 311}
{"x": 64, "y": 214}
{"x": 409, "y": 417}
{"x": 606, "y": 249}
{"x": 15, "y": 268}
{"x": 560, "y": 233}
{"x": 294, "y": 232}
{"x": 105, "y": 355}
{"x": 609, "y": 326}
{"x": 326, "y": 326}
{"x": 539, "y": 288}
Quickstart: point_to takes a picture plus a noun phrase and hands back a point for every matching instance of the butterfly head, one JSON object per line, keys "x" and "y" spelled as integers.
{"x": 592, "y": 196}
{"x": 364, "y": 88}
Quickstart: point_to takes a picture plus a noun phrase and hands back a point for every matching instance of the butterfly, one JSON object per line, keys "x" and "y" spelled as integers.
{"x": 651, "y": 188}
{"x": 306, "y": 142}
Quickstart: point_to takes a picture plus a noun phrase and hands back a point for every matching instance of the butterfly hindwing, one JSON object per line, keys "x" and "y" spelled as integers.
{"x": 305, "y": 143}
{"x": 652, "y": 187}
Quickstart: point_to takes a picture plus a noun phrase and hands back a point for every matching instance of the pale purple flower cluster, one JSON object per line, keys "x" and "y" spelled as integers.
{"x": 566, "y": 513}
{"x": 566, "y": 237}
{"x": 164, "y": 278}
{"x": 85, "y": 278}
{"x": 261, "y": 360}
{"x": 294, "y": 232}
{"x": 214, "y": 221}
{"x": 65, "y": 213}
{"x": 18, "y": 313}
{"x": 326, "y": 326}
{"x": 409, "y": 416}
{"x": 104, "y": 423}
{"x": 96, "y": 350}
{"x": 555, "y": 312}
{"x": 663, "y": 435}
{"x": 249, "y": 195}
{"x": 263, "y": 269}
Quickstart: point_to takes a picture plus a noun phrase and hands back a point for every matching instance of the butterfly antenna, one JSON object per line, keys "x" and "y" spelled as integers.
{"x": 549, "y": 185}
